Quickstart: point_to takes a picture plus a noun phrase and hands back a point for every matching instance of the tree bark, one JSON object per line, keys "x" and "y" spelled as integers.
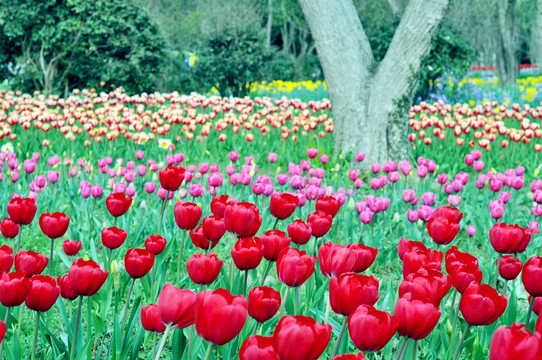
{"x": 506, "y": 48}
{"x": 536, "y": 37}
{"x": 371, "y": 101}
{"x": 269, "y": 23}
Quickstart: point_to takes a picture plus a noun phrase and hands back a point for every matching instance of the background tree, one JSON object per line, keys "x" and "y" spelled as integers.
{"x": 371, "y": 100}
{"x": 57, "y": 45}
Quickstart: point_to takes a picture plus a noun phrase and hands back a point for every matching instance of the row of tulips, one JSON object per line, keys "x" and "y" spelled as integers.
{"x": 352, "y": 296}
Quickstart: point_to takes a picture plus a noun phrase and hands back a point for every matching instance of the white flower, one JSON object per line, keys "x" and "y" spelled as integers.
{"x": 164, "y": 143}
{"x": 142, "y": 139}
{"x": 7, "y": 148}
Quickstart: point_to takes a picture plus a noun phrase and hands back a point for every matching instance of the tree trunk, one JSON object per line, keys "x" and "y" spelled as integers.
{"x": 506, "y": 48}
{"x": 536, "y": 37}
{"x": 269, "y": 23}
{"x": 371, "y": 101}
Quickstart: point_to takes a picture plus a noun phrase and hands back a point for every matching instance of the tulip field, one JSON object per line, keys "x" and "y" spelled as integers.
{"x": 168, "y": 226}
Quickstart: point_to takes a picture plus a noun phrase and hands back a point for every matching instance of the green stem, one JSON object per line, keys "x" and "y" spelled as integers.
{"x": 453, "y": 328}
{"x": 162, "y": 213}
{"x": 339, "y": 338}
{"x": 314, "y": 246}
{"x": 153, "y": 345}
{"x": 109, "y": 263}
{"x": 90, "y": 222}
{"x": 19, "y": 239}
{"x": 497, "y": 272}
{"x": 125, "y": 311}
{"x": 266, "y": 271}
{"x": 402, "y": 349}
{"x": 6, "y": 319}
{"x": 208, "y": 353}
{"x": 35, "y": 335}
{"x": 415, "y": 352}
{"x": 20, "y": 320}
{"x": 531, "y": 304}
{"x": 152, "y": 282}
{"x": 51, "y": 257}
{"x": 89, "y": 327}
{"x": 284, "y": 302}
{"x": 190, "y": 336}
{"x": 256, "y": 327}
{"x": 458, "y": 351}
{"x": 296, "y": 300}
{"x": 77, "y": 319}
{"x": 162, "y": 343}
{"x": 246, "y": 283}
{"x": 276, "y": 223}
{"x": 180, "y": 260}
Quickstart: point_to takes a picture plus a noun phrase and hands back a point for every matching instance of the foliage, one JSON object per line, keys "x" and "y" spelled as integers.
{"x": 52, "y": 44}
{"x": 232, "y": 59}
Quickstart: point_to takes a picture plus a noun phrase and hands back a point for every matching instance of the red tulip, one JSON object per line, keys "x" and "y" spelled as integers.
{"x": 294, "y": 267}
{"x": 14, "y": 288}
{"x": 414, "y": 260}
{"x": 138, "y": 262}
{"x": 509, "y": 268}
{"x": 416, "y": 318}
{"x": 358, "y": 356}
{"x": 6, "y": 259}
{"x": 32, "y": 263}
{"x": 263, "y": 303}
{"x": 406, "y": 246}
{"x": 299, "y": 232}
{"x": 350, "y": 290}
{"x": 258, "y": 347}
{"x": 452, "y": 214}
{"x": 242, "y": 219}
{"x": 531, "y": 276}
{"x": 506, "y": 239}
{"x": 113, "y": 237}
{"x": 426, "y": 285}
{"x": 371, "y": 329}
{"x": 218, "y": 205}
{"x": 512, "y": 343}
{"x": 66, "y": 290}
{"x": 482, "y": 305}
{"x": 2, "y": 331}
{"x": 300, "y": 338}
{"x": 43, "y": 293}
{"x": 454, "y": 259}
{"x": 328, "y": 204}
{"x": 365, "y": 256}
{"x": 320, "y": 223}
{"x": 187, "y": 215}
{"x": 213, "y": 228}
{"x": 22, "y": 211}
{"x": 172, "y": 177}
{"x": 86, "y": 277}
{"x": 537, "y": 306}
{"x": 204, "y": 269}
{"x": 155, "y": 244}
{"x": 466, "y": 275}
{"x": 336, "y": 259}
{"x": 273, "y": 242}
{"x": 441, "y": 230}
{"x": 213, "y": 308}
{"x": 176, "y": 306}
{"x": 283, "y": 205}
{"x": 118, "y": 204}
{"x": 71, "y": 247}
{"x": 199, "y": 240}
{"x": 150, "y": 319}
{"x": 8, "y": 228}
{"x": 54, "y": 225}
{"x": 247, "y": 253}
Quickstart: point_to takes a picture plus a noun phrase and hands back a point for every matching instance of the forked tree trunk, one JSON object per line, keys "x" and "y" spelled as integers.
{"x": 536, "y": 36}
{"x": 370, "y": 100}
{"x": 506, "y": 47}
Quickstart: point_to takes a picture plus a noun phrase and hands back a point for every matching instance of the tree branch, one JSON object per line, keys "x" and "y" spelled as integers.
{"x": 410, "y": 44}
